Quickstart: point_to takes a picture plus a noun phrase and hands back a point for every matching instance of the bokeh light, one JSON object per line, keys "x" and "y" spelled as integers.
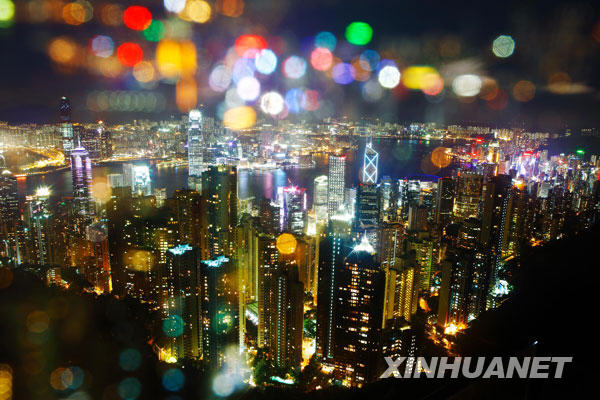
{"x": 137, "y": 18}
{"x": 130, "y": 54}
{"x": 466, "y": 85}
{"x": 294, "y": 67}
{"x": 389, "y": 76}
{"x": 239, "y": 118}
{"x": 230, "y": 8}
{"x": 173, "y": 326}
{"x": 155, "y": 31}
{"x": 321, "y": 59}
{"x": 102, "y": 46}
{"x": 198, "y": 11}
{"x": 272, "y": 103}
{"x": 503, "y": 46}
{"x": 326, "y": 40}
{"x": 101, "y": 190}
{"x": 310, "y": 100}
{"x": 186, "y": 94}
{"x": 371, "y": 90}
{"x": 248, "y": 88}
{"x": 111, "y": 15}
{"x": 359, "y": 33}
{"x": 174, "y": 58}
{"x": 243, "y": 67}
{"x": 369, "y": 59}
{"x": 440, "y": 157}
{"x": 130, "y": 360}
{"x": 77, "y": 12}
{"x": 523, "y": 91}
{"x": 62, "y": 50}
{"x": 219, "y": 78}
{"x": 249, "y": 45}
{"x": 129, "y": 388}
{"x": 414, "y": 76}
{"x": 7, "y": 11}
{"x": 342, "y": 73}
{"x": 174, "y": 6}
{"x": 293, "y": 100}
{"x": 173, "y": 379}
{"x": 266, "y": 62}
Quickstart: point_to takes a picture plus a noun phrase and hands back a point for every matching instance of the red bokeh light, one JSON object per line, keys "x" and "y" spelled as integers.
{"x": 130, "y": 54}
{"x": 137, "y": 18}
{"x": 249, "y": 45}
{"x": 321, "y": 59}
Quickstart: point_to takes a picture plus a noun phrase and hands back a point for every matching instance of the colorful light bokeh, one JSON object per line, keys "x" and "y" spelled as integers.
{"x": 359, "y": 33}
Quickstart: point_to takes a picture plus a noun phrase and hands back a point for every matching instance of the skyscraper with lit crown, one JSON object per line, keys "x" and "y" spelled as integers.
{"x": 81, "y": 174}
{"x": 66, "y": 126}
{"x": 195, "y": 149}
{"x": 370, "y": 164}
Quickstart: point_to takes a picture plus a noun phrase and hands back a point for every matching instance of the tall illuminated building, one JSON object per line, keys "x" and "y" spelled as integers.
{"x": 179, "y": 293}
{"x": 99, "y": 274}
{"x": 335, "y": 183}
{"x": 469, "y": 190}
{"x": 353, "y": 326}
{"x": 219, "y": 204}
{"x": 320, "y": 199}
{"x": 196, "y": 147}
{"x": 401, "y": 288}
{"x": 496, "y": 222}
{"x": 219, "y": 305}
{"x": 367, "y": 207}
{"x": 66, "y": 126}
{"x": 280, "y": 301}
{"x": 10, "y": 221}
{"x": 385, "y": 190}
{"x": 81, "y": 175}
{"x": 370, "y": 164}
{"x": 444, "y": 201}
{"x": 141, "y": 183}
{"x": 294, "y": 209}
{"x": 38, "y": 220}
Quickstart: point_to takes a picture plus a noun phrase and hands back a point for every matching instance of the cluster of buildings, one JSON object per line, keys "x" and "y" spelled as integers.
{"x": 362, "y": 261}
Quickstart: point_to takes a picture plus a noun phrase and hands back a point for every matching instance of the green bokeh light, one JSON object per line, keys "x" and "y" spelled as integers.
{"x": 359, "y": 33}
{"x": 155, "y": 31}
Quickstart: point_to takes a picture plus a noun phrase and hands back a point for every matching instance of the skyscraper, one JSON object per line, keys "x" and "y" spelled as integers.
{"x": 320, "y": 199}
{"x": 357, "y": 316}
{"x": 468, "y": 195}
{"x": 219, "y": 305}
{"x": 335, "y": 183}
{"x": 99, "y": 273}
{"x": 195, "y": 149}
{"x": 66, "y": 126}
{"x": 81, "y": 174}
{"x": 367, "y": 207}
{"x": 179, "y": 293}
{"x": 370, "y": 164}
{"x": 294, "y": 209}
{"x": 10, "y": 222}
{"x": 445, "y": 201}
{"x": 219, "y": 204}
{"x": 496, "y": 222}
{"x": 280, "y": 301}
{"x": 38, "y": 216}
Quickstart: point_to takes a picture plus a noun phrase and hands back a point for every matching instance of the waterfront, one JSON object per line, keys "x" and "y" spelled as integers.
{"x": 398, "y": 159}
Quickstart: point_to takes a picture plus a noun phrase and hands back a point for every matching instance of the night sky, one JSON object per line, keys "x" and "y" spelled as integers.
{"x": 551, "y": 38}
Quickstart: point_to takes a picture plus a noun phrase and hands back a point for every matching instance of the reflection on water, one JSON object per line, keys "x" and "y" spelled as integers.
{"x": 397, "y": 159}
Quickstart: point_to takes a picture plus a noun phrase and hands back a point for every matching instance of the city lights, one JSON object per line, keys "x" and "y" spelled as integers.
{"x": 248, "y": 199}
